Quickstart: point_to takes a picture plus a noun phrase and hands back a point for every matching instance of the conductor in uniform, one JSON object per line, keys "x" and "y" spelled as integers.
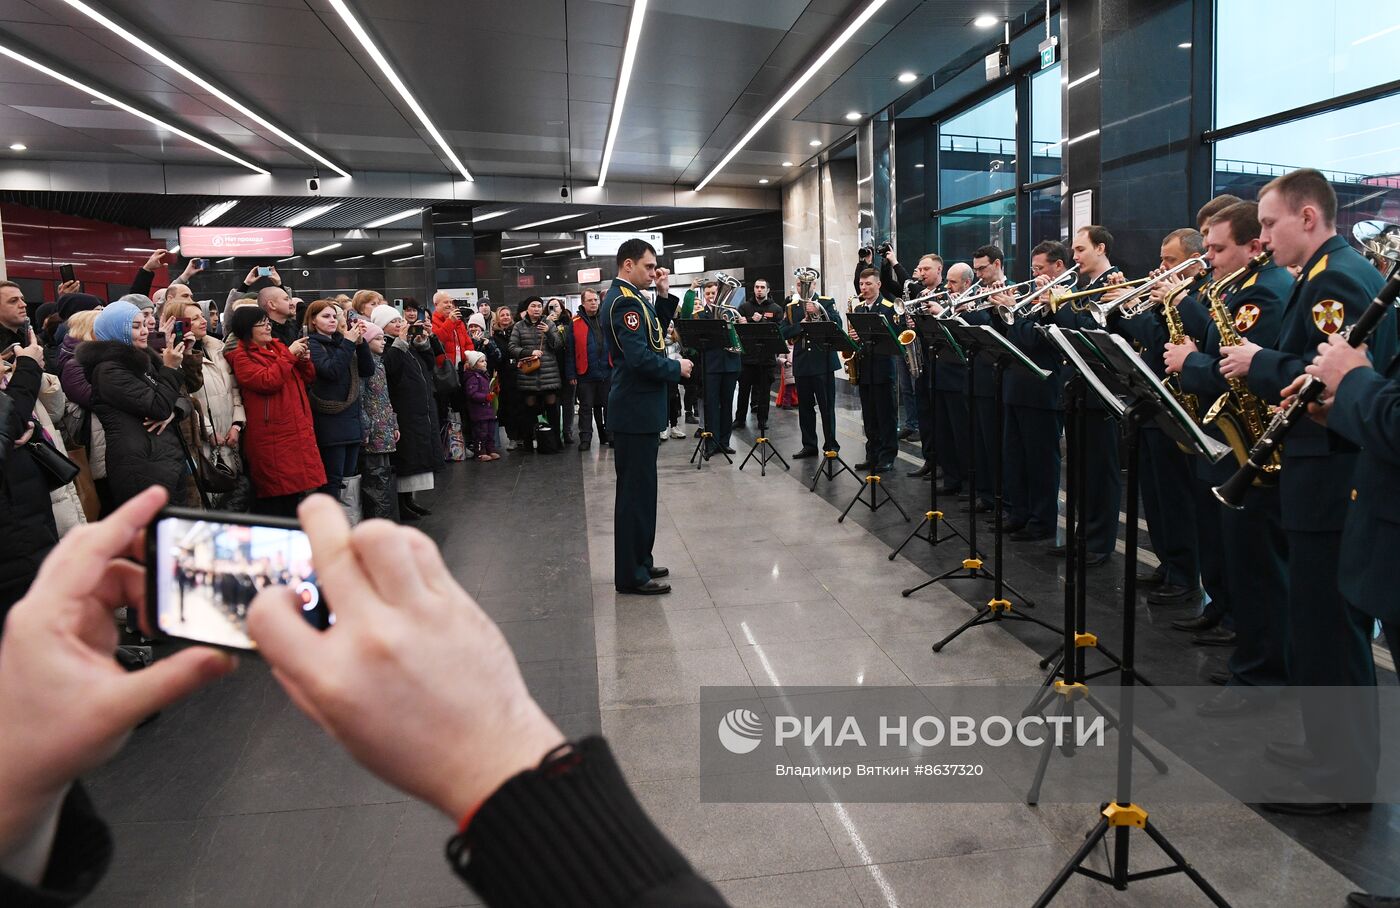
{"x": 637, "y": 413}
{"x": 813, "y": 369}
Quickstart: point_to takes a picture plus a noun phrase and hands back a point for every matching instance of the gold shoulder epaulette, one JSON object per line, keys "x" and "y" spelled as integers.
{"x": 1317, "y": 269}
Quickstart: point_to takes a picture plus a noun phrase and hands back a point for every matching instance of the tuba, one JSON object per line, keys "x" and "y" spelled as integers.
{"x": 807, "y": 293}
{"x": 727, "y": 313}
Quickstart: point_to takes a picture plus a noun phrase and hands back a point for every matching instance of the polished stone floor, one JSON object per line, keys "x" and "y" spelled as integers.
{"x": 233, "y": 798}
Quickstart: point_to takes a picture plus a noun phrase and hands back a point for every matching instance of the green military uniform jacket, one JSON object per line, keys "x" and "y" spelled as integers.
{"x": 880, "y": 372}
{"x": 641, "y": 370}
{"x": 806, "y": 358}
{"x": 1335, "y": 287}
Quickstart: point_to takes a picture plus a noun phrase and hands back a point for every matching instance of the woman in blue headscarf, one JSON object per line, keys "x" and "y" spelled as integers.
{"x": 137, "y": 395}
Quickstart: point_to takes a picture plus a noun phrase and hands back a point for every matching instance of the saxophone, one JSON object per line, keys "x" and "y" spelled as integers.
{"x": 851, "y": 361}
{"x": 908, "y": 338}
{"x": 1238, "y": 413}
{"x": 1176, "y": 332}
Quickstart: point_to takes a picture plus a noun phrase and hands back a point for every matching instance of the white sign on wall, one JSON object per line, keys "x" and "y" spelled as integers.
{"x": 692, "y": 265}
{"x": 605, "y": 243}
{"x": 1081, "y": 211}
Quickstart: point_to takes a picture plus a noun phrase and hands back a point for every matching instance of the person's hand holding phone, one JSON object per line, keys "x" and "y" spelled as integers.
{"x": 65, "y": 704}
{"x": 157, "y": 259}
{"x": 355, "y": 331}
{"x": 34, "y": 350}
{"x": 405, "y": 633}
{"x": 300, "y": 348}
{"x": 73, "y": 286}
{"x": 251, "y": 277}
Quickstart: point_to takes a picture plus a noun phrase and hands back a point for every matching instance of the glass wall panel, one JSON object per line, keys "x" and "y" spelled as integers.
{"x": 1046, "y": 130}
{"x": 1286, "y": 53}
{"x": 1045, "y": 215}
{"x": 977, "y": 151}
{"x": 961, "y": 232}
{"x": 1357, "y": 147}
{"x": 913, "y": 224}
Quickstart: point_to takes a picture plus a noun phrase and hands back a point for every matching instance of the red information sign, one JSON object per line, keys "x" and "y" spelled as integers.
{"x": 237, "y": 241}
{"x": 590, "y": 275}
{"x": 525, "y": 280}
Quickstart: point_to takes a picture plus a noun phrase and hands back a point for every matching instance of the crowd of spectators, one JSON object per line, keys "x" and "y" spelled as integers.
{"x": 257, "y": 399}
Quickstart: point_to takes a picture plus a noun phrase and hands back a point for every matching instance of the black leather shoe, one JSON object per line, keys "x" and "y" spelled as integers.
{"x": 728, "y": 450}
{"x": 1221, "y": 678}
{"x": 1229, "y": 702}
{"x": 658, "y": 572}
{"x": 692, "y": 419}
{"x": 804, "y": 454}
{"x": 883, "y": 468}
{"x": 1010, "y": 527}
{"x": 1362, "y": 900}
{"x": 1202, "y": 622}
{"x": 908, "y": 434}
{"x": 650, "y": 588}
{"x": 1294, "y": 756}
{"x": 584, "y": 445}
{"x": 1215, "y": 637}
{"x": 739, "y": 424}
{"x": 1152, "y": 577}
{"x": 863, "y": 465}
{"x": 568, "y": 439}
{"x": 925, "y": 470}
{"x": 1172, "y": 595}
{"x": 416, "y": 508}
{"x": 1094, "y": 559}
{"x": 1055, "y": 551}
{"x": 1029, "y": 535}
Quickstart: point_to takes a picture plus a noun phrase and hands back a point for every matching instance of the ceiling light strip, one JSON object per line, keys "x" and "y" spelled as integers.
{"x": 134, "y": 111}
{"x": 214, "y": 212}
{"x": 325, "y": 248}
{"x": 383, "y": 62}
{"x": 309, "y": 214}
{"x": 563, "y": 217}
{"x": 381, "y": 222}
{"x": 387, "y": 250}
{"x": 623, "y": 221}
{"x": 846, "y": 34}
{"x": 624, "y": 78}
{"x": 165, "y": 60}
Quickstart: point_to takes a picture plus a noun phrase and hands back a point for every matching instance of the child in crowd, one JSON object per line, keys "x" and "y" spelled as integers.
{"x": 480, "y": 398}
{"x": 787, "y": 387}
{"x": 381, "y": 436}
{"x": 673, "y": 391}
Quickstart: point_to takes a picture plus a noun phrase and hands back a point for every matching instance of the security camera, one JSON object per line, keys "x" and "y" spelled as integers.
{"x": 313, "y": 184}
{"x": 564, "y": 191}
{"x": 306, "y": 274}
{"x": 522, "y": 269}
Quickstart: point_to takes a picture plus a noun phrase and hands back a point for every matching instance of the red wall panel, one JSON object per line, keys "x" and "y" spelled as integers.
{"x": 38, "y": 241}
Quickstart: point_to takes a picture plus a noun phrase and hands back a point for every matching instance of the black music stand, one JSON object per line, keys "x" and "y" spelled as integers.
{"x": 876, "y": 339}
{"x": 1068, "y": 677}
{"x": 829, "y": 338}
{"x": 937, "y": 343}
{"x": 984, "y": 341}
{"x": 703, "y": 335}
{"x": 1122, "y": 374}
{"x": 762, "y": 339}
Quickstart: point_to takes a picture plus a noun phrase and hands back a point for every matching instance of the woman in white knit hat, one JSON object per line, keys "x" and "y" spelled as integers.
{"x": 408, "y": 365}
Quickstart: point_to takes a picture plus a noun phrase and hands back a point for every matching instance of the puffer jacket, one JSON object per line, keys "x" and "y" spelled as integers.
{"x": 27, "y": 530}
{"x": 379, "y": 420}
{"x": 525, "y": 338}
{"x": 340, "y": 364}
{"x": 279, "y": 440}
{"x": 219, "y": 399}
{"x": 78, "y": 390}
{"x": 409, "y": 369}
{"x": 129, "y": 386}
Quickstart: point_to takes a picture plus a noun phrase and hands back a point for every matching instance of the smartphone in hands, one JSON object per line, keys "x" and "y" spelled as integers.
{"x": 203, "y": 569}
{"x": 264, "y": 271}
{"x": 65, "y": 274}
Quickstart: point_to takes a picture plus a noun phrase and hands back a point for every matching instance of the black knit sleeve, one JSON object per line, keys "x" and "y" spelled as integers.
{"x": 570, "y": 832}
{"x": 82, "y": 849}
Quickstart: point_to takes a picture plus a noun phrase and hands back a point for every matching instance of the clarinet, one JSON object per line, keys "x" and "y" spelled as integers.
{"x": 1231, "y": 492}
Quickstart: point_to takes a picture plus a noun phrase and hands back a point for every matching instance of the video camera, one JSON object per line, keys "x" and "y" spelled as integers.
{"x": 867, "y": 252}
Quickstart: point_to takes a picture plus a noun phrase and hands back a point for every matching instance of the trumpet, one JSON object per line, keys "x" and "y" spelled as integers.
{"x": 983, "y": 300}
{"x": 1140, "y": 300}
{"x": 1030, "y": 304}
{"x": 950, "y": 309}
{"x": 1059, "y": 299}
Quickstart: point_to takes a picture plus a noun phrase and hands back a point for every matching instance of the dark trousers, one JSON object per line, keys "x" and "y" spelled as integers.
{"x": 693, "y": 393}
{"x": 340, "y": 461}
{"x": 923, "y": 400}
{"x": 817, "y": 392}
{"x": 985, "y": 434}
{"x": 877, "y": 413}
{"x": 1213, "y": 557}
{"x": 756, "y": 382}
{"x": 950, "y": 424}
{"x": 1031, "y": 449}
{"x": 1103, "y": 486}
{"x": 1257, "y": 578}
{"x": 1166, "y": 475}
{"x": 634, "y": 520}
{"x": 719, "y": 400}
{"x": 593, "y": 407}
{"x": 908, "y": 397}
{"x": 1329, "y": 645}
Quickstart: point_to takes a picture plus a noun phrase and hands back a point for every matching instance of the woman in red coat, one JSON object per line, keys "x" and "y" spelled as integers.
{"x": 279, "y": 441}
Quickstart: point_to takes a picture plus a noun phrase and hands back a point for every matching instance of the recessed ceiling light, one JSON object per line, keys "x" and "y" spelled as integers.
{"x": 478, "y": 218}
{"x": 906, "y": 78}
{"x": 986, "y": 20}
{"x": 781, "y": 101}
{"x": 517, "y": 248}
{"x": 787, "y": 163}
{"x": 213, "y": 213}
{"x": 565, "y": 249}
{"x": 325, "y": 248}
{"x": 19, "y": 146}
{"x": 390, "y": 249}
{"x": 408, "y": 258}
{"x": 624, "y": 78}
{"x": 99, "y": 102}
{"x": 815, "y": 143}
{"x": 134, "y": 111}
{"x": 390, "y": 74}
{"x": 164, "y": 59}
{"x": 389, "y": 219}
{"x": 853, "y": 115}
{"x": 350, "y": 259}
{"x": 302, "y": 217}
{"x": 1184, "y": 45}
{"x": 288, "y": 259}
{"x": 918, "y": 167}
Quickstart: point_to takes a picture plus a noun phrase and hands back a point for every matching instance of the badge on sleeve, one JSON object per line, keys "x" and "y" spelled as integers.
{"x": 633, "y": 320}
{"x": 1245, "y": 318}
{"x": 1328, "y": 316}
